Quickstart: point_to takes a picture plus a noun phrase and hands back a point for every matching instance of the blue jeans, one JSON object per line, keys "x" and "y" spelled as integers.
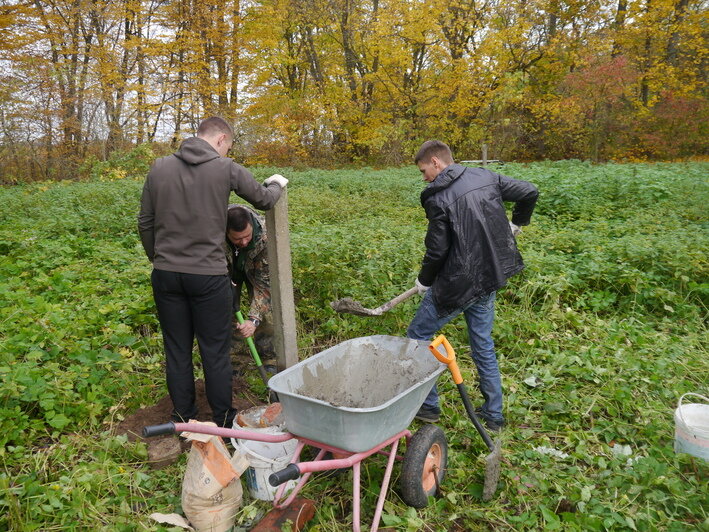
{"x": 479, "y": 316}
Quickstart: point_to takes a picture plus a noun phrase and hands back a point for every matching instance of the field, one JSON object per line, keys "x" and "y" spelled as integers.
{"x": 598, "y": 338}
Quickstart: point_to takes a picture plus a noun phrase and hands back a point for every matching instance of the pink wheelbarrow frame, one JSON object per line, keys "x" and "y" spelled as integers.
{"x": 422, "y": 472}
{"x": 308, "y": 392}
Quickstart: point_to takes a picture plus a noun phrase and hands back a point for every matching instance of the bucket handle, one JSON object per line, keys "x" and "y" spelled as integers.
{"x": 679, "y": 403}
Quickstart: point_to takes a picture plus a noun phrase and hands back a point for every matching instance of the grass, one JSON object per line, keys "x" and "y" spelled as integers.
{"x": 597, "y": 340}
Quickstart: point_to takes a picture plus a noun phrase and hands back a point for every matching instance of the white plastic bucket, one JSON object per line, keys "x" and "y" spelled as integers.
{"x": 692, "y": 427}
{"x": 265, "y": 458}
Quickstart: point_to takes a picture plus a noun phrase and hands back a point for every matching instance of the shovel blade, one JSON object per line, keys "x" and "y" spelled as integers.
{"x": 350, "y": 306}
{"x": 492, "y": 471}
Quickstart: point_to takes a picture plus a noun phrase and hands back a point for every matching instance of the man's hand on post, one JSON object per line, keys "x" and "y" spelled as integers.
{"x": 276, "y": 178}
{"x": 421, "y": 288}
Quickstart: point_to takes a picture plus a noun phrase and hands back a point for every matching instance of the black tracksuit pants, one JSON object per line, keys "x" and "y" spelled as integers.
{"x": 192, "y": 305}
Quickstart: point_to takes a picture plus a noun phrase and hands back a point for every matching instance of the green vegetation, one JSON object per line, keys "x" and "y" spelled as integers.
{"x": 597, "y": 339}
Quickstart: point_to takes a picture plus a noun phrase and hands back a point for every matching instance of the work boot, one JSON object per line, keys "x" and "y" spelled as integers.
{"x": 428, "y": 414}
{"x": 491, "y": 424}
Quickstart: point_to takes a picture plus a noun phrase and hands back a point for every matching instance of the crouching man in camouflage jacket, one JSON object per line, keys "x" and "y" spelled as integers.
{"x": 248, "y": 265}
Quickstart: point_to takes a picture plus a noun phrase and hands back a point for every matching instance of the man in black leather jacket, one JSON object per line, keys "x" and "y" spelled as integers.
{"x": 470, "y": 254}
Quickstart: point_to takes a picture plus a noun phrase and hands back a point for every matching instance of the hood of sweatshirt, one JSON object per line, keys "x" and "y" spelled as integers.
{"x": 196, "y": 151}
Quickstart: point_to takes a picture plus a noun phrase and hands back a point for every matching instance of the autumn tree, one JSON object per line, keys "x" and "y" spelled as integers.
{"x": 332, "y": 81}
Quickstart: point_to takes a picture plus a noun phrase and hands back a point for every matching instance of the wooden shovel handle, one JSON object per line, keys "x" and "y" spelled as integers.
{"x": 398, "y": 299}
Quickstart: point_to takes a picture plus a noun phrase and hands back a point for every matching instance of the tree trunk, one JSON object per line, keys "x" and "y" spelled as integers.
{"x": 618, "y": 25}
{"x": 680, "y": 11}
{"x": 235, "y": 54}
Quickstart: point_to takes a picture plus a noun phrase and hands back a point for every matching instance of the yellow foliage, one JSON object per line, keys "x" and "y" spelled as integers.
{"x": 366, "y": 81}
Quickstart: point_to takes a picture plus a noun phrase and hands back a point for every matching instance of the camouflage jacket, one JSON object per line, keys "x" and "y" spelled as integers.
{"x": 258, "y": 282}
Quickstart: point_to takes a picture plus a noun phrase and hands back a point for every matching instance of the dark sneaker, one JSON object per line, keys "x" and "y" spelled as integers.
{"x": 491, "y": 424}
{"x": 494, "y": 426}
{"x": 428, "y": 414}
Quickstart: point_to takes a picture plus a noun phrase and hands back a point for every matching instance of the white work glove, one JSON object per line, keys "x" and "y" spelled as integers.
{"x": 421, "y": 288}
{"x": 276, "y": 178}
{"x": 516, "y": 230}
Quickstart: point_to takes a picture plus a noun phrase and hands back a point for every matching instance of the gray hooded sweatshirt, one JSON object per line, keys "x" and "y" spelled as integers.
{"x": 183, "y": 208}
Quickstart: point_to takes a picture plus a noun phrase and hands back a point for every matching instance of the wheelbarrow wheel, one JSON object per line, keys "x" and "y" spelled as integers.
{"x": 424, "y": 465}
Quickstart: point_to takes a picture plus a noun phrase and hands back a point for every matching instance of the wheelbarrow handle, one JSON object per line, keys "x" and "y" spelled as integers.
{"x": 448, "y": 358}
{"x": 291, "y": 472}
{"x": 157, "y": 430}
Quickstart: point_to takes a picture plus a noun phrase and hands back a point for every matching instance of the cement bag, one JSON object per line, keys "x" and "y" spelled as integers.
{"x": 211, "y": 490}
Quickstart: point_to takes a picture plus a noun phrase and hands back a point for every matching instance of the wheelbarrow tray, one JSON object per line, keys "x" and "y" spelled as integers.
{"x": 359, "y": 393}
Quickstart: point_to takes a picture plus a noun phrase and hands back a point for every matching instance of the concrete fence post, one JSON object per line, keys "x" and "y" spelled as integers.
{"x": 279, "y": 269}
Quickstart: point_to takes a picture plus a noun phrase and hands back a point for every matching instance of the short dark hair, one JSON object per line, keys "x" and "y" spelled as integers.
{"x": 214, "y": 125}
{"x": 238, "y": 218}
{"x": 434, "y": 148}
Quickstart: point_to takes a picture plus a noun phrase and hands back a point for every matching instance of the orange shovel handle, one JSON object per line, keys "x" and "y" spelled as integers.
{"x": 448, "y": 358}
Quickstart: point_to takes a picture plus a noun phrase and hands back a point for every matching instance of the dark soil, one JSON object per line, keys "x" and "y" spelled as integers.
{"x": 243, "y": 398}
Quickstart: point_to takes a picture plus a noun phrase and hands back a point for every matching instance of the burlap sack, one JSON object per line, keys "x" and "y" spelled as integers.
{"x": 211, "y": 489}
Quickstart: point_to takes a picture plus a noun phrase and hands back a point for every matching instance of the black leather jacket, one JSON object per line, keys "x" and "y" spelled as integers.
{"x": 470, "y": 250}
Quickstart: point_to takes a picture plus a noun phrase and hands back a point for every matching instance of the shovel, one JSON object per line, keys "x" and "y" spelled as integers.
{"x": 492, "y": 460}
{"x": 351, "y": 306}
{"x": 257, "y": 359}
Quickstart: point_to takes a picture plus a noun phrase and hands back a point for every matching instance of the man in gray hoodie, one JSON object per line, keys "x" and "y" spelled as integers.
{"x": 182, "y": 223}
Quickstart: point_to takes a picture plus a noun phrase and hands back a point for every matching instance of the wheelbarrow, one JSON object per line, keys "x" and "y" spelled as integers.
{"x": 354, "y": 400}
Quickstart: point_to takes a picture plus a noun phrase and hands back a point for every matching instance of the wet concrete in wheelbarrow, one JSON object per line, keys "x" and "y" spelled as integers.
{"x": 359, "y": 383}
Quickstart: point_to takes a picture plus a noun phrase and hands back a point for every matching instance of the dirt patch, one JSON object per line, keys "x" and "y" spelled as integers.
{"x": 132, "y": 426}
